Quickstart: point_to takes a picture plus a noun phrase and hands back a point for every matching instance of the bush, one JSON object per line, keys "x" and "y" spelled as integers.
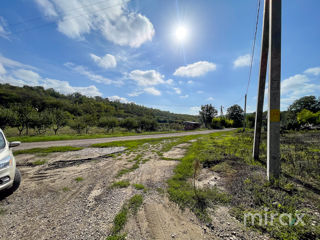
{"x": 218, "y": 123}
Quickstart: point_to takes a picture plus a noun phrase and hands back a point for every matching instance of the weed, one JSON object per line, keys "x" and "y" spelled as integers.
{"x": 66, "y": 189}
{"x": 119, "y": 221}
{"x": 135, "y": 202}
{"x": 121, "y": 184}
{"x": 117, "y": 237}
{"x": 2, "y": 211}
{"x": 139, "y": 186}
{"x": 47, "y": 150}
{"x": 79, "y": 179}
{"x": 39, "y": 162}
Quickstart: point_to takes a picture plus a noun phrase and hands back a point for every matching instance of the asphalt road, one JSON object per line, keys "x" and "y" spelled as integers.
{"x": 88, "y": 142}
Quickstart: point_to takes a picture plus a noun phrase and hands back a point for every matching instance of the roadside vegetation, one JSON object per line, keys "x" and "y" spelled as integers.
{"x": 248, "y": 191}
{"x": 47, "y": 150}
{"x": 121, "y": 184}
{"x": 131, "y": 207}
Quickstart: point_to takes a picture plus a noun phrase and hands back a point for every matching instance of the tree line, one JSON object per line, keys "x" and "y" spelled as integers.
{"x": 26, "y": 108}
{"x": 302, "y": 113}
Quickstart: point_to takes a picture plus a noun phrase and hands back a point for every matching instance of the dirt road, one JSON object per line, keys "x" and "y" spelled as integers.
{"x": 70, "y": 195}
{"x": 88, "y": 142}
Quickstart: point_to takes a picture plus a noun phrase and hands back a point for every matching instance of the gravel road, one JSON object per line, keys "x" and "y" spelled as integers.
{"x": 88, "y": 142}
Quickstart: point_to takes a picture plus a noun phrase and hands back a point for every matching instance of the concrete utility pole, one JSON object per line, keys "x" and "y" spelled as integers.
{"x": 273, "y": 155}
{"x": 262, "y": 80}
{"x": 221, "y": 111}
{"x": 271, "y": 45}
{"x": 245, "y": 111}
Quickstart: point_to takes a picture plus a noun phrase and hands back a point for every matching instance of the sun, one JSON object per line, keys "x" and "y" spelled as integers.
{"x": 181, "y": 33}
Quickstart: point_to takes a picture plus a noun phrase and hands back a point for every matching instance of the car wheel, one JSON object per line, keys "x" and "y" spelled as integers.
{"x": 16, "y": 181}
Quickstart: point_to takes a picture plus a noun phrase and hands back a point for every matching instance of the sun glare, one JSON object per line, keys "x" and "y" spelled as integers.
{"x": 181, "y": 33}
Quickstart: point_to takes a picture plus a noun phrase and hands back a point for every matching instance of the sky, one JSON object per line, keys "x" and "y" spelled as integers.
{"x": 173, "y": 55}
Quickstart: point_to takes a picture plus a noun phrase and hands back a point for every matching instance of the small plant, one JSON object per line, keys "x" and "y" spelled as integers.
{"x": 2, "y": 211}
{"x": 65, "y": 189}
{"x": 117, "y": 237}
{"x": 39, "y": 162}
{"x": 121, "y": 184}
{"x": 135, "y": 202}
{"x": 79, "y": 179}
{"x": 139, "y": 186}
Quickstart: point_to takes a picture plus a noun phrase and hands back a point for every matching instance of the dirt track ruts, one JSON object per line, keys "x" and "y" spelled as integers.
{"x": 88, "y": 142}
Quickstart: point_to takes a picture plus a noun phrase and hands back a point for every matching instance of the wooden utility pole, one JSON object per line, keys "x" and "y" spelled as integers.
{"x": 273, "y": 155}
{"x": 221, "y": 111}
{"x": 245, "y": 111}
{"x": 271, "y": 44}
{"x": 262, "y": 80}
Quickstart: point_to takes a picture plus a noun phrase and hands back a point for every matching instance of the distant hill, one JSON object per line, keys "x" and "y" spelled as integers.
{"x": 78, "y": 105}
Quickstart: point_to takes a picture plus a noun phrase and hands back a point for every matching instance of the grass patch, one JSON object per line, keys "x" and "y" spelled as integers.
{"x": 131, "y": 144}
{"x": 61, "y": 137}
{"x": 47, "y": 150}
{"x": 121, "y": 218}
{"x": 223, "y": 168}
{"x": 79, "y": 179}
{"x": 121, "y": 184}
{"x": 139, "y": 186}
{"x": 117, "y": 237}
{"x": 2, "y": 211}
{"x": 39, "y": 162}
{"x": 66, "y": 189}
{"x": 182, "y": 192}
{"x": 135, "y": 203}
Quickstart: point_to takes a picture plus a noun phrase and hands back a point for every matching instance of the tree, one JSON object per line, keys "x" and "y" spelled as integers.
{"x": 129, "y": 123}
{"x": 77, "y": 124}
{"x": 306, "y": 116}
{"x": 235, "y": 113}
{"x": 308, "y": 102}
{"x": 23, "y": 115}
{"x": 40, "y": 121}
{"x": 207, "y": 113}
{"x": 59, "y": 119}
{"x": 147, "y": 124}
{"x": 108, "y": 123}
{"x": 6, "y": 117}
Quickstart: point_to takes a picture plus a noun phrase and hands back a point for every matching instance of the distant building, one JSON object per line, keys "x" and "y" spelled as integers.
{"x": 191, "y": 125}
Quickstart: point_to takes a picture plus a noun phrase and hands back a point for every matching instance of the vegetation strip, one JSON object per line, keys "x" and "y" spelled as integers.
{"x": 47, "y": 150}
{"x": 121, "y": 218}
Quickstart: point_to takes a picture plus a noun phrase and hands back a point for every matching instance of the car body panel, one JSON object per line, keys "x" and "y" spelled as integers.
{"x": 7, "y": 171}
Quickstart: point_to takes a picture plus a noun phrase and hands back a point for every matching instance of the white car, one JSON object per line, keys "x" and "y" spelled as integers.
{"x": 10, "y": 176}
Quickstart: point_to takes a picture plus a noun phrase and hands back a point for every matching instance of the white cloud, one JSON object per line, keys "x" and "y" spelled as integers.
{"x": 190, "y": 82}
{"x": 242, "y": 61}
{"x": 107, "y": 61}
{"x": 94, "y": 77}
{"x": 195, "y": 69}
{"x": 47, "y": 7}
{"x": 177, "y": 90}
{"x": 3, "y": 32}
{"x": 13, "y": 64}
{"x": 119, "y": 99}
{"x": 184, "y": 96}
{"x": 152, "y": 91}
{"x": 111, "y": 18}
{"x": 147, "y": 78}
{"x": 21, "y": 77}
{"x": 298, "y": 86}
{"x": 2, "y": 69}
{"x": 210, "y": 99}
{"x": 194, "y": 110}
{"x": 314, "y": 71}
{"x": 200, "y": 92}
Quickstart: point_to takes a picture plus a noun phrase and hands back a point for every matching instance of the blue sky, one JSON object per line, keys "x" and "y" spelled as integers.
{"x": 171, "y": 55}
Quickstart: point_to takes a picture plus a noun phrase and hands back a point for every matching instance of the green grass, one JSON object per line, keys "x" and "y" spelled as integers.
{"x": 182, "y": 192}
{"x": 135, "y": 203}
{"x": 121, "y": 184}
{"x": 61, "y": 137}
{"x": 2, "y": 211}
{"x": 131, "y": 144}
{"x": 230, "y": 155}
{"x": 39, "y": 162}
{"x": 121, "y": 218}
{"x": 66, "y": 189}
{"x": 47, "y": 150}
{"x": 139, "y": 186}
{"x": 79, "y": 179}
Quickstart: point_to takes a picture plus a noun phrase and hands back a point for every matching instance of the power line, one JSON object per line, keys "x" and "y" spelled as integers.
{"x": 253, "y": 46}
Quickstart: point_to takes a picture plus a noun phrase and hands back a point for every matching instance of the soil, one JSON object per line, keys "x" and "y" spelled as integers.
{"x": 70, "y": 197}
